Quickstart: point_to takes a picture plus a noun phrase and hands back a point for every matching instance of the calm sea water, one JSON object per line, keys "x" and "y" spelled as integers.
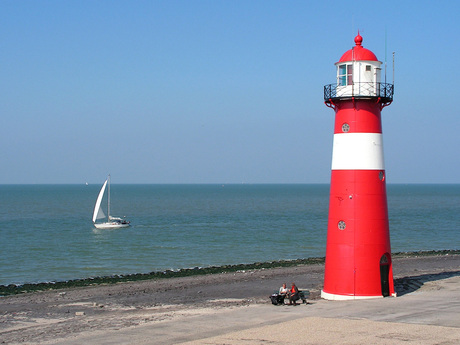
{"x": 46, "y": 233}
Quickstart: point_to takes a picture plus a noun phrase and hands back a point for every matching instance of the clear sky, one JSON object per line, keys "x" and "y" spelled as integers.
{"x": 216, "y": 91}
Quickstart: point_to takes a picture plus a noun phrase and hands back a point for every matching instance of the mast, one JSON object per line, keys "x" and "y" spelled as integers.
{"x": 393, "y": 68}
{"x": 386, "y": 56}
{"x": 108, "y": 201}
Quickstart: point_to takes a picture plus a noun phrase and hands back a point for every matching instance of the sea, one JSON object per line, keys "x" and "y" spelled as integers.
{"x": 47, "y": 235}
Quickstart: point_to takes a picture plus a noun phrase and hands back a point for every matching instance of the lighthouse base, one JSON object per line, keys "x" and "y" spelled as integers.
{"x": 335, "y": 297}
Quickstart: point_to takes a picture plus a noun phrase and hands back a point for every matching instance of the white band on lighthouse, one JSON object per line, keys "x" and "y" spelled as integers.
{"x": 357, "y": 151}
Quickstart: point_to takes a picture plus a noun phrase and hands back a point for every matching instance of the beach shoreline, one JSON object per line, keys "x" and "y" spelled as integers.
{"x": 105, "y": 310}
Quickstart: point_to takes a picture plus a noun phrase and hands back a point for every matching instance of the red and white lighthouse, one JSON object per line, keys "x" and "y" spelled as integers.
{"x": 358, "y": 252}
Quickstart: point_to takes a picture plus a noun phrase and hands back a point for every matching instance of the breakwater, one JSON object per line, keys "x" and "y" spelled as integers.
{"x": 13, "y": 289}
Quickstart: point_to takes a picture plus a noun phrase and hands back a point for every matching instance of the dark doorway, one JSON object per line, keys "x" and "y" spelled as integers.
{"x": 384, "y": 274}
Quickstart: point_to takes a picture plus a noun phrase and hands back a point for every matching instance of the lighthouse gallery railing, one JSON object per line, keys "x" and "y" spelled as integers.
{"x": 384, "y": 91}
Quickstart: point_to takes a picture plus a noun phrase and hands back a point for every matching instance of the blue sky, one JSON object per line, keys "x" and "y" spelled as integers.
{"x": 216, "y": 91}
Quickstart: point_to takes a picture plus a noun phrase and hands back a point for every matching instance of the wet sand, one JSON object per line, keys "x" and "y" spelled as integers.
{"x": 234, "y": 308}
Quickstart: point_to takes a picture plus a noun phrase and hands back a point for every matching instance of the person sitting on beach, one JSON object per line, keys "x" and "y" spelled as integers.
{"x": 293, "y": 294}
{"x": 284, "y": 290}
{"x": 282, "y": 293}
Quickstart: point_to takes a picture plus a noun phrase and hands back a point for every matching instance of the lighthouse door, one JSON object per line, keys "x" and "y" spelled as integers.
{"x": 384, "y": 273}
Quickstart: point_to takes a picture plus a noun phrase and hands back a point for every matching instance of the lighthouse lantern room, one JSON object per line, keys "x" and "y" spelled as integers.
{"x": 358, "y": 252}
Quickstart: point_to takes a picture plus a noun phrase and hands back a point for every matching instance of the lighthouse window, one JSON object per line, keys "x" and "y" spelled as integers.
{"x": 345, "y": 76}
{"x": 349, "y": 74}
{"x": 342, "y": 75}
{"x": 341, "y": 225}
{"x": 368, "y": 68}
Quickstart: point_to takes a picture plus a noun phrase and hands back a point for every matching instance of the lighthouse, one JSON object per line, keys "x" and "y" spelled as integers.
{"x": 358, "y": 252}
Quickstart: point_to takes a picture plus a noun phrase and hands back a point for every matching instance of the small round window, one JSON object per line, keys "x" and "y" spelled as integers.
{"x": 345, "y": 127}
{"x": 381, "y": 176}
{"x": 341, "y": 225}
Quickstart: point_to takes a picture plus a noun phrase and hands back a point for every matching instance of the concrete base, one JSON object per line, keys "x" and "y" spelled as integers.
{"x": 335, "y": 297}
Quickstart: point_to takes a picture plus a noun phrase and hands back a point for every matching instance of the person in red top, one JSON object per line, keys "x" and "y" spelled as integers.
{"x": 293, "y": 294}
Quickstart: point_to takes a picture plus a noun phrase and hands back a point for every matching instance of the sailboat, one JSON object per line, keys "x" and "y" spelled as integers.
{"x": 98, "y": 214}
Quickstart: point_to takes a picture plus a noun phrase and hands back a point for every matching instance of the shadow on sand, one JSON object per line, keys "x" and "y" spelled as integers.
{"x": 410, "y": 284}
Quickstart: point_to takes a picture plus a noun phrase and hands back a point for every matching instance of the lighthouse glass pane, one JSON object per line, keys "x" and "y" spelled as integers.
{"x": 342, "y": 77}
{"x": 349, "y": 74}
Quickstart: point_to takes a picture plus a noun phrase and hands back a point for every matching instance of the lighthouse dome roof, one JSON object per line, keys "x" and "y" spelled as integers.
{"x": 358, "y": 52}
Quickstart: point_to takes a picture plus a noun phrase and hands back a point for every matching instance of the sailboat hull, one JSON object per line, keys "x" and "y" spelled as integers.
{"x": 111, "y": 225}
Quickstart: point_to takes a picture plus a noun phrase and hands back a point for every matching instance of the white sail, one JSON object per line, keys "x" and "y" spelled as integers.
{"x": 98, "y": 213}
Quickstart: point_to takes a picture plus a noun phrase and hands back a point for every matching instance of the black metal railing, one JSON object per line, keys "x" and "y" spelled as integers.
{"x": 384, "y": 91}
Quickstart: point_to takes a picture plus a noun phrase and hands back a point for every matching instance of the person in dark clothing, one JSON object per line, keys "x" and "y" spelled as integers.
{"x": 293, "y": 294}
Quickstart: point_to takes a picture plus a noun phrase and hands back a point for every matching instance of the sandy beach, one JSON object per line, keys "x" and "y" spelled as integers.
{"x": 234, "y": 308}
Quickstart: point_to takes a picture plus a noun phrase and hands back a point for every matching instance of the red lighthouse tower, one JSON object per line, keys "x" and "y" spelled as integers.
{"x": 358, "y": 252}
